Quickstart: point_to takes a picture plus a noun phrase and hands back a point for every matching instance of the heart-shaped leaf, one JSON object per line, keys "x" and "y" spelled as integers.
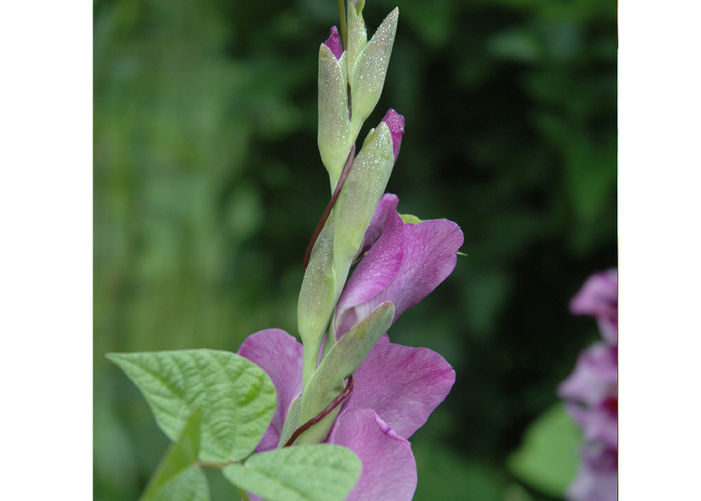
{"x": 237, "y": 398}
{"x": 190, "y": 485}
{"x": 178, "y": 462}
{"x": 322, "y": 472}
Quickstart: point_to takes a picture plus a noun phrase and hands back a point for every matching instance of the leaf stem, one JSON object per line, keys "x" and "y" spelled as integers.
{"x": 212, "y": 464}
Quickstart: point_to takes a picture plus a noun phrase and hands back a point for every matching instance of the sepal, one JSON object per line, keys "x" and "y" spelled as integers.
{"x": 318, "y": 293}
{"x": 357, "y": 33}
{"x": 361, "y": 192}
{"x": 334, "y": 137}
{"x": 367, "y": 74}
{"x": 341, "y": 361}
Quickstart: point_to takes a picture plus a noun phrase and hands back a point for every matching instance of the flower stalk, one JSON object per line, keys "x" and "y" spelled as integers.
{"x": 342, "y": 21}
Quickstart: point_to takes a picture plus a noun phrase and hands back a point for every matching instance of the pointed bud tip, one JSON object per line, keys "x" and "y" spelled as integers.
{"x": 334, "y": 43}
{"x": 395, "y": 122}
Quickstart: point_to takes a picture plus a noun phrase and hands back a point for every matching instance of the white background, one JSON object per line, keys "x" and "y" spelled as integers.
{"x": 46, "y": 249}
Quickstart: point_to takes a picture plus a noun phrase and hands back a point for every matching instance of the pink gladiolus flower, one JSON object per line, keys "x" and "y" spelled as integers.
{"x": 598, "y": 298}
{"x": 591, "y": 392}
{"x": 597, "y": 476}
{"x": 404, "y": 263}
{"x": 395, "y": 390}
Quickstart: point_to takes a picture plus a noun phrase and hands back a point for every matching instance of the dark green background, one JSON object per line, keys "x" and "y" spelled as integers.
{"x": 208, "y": 184}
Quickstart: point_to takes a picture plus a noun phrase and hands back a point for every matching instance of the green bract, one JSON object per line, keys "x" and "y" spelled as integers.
{"x": 367, "y": 76}
{"x": 341, "y": 362}
{"x": 357, "y": 35}
{"x": 410, "y": 218}
{"x": 236, "y": 397}
{"x": 334, "y": 136}
{"x": 306, "y": 473}
{"x": 356, "y": 204}
{"x": 177, "y": 477}
{"x": 340, "y": 240}
{"x": 317, "y": 297}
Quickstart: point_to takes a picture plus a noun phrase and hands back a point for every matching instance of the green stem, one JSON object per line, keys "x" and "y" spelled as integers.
{"x": 330, "y": 338}
{"x": 342, "y": 16}
{"x": 311, "y": 357}
{"x": 211, "y": 464}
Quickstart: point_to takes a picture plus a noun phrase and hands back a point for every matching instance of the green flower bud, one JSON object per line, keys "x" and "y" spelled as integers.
{"x": 361, "y": 191}
{"x": 341, "y": 239}
{"x": 334, "y": 137}
{"x": 341, "y": 362}
{"x": 367, "y": 76}
{"x": 357, "y": 34}
{"x": 317, "y": 296}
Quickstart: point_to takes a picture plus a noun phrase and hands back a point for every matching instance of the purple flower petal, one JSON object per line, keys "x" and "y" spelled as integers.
{"x": 280, "y": 356}
{"x": 601, "y": 423}
{"x": 403, "y": 385}
{"x": 597, "y": 478}
{"x": 375, "y": 273}
{"x": 594, "y": 377}
{"x": 334, "y": 43}
{"x": 598, "y": 297}
{"x": 395, "y": 122}
{"x": 428, "y": 256}
{"x": 592, "y": 393}
{"x": 389, "y": 468}
{"x": 386, "y": 207}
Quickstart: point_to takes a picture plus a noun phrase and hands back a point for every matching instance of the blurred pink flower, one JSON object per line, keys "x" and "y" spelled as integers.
{"x": 598, "y": 298}
{"x": 591, "y": 392}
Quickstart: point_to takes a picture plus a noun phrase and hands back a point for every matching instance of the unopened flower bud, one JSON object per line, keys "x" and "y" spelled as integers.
{"x": 357, "y": 34}
{"x": 367, "y": 77}
{"x": 356, "y": 204}
{"x": 334, "y": 136}
{"x": 334, "y": 43}
{"x": 395, "y": 122}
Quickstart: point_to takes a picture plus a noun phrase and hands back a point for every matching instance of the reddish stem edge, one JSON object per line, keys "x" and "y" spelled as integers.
{"x": 336, "y": 402}
{"x": 329, "y": 206}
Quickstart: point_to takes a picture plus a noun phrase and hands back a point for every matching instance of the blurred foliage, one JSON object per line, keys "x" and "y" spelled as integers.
{"x": 208, "y": 184}
{"x": 549, "y": 455}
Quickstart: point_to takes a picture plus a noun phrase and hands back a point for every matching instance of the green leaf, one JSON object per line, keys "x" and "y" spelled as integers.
{"x": 237, "y": 398}
{"x": 547, "y": 459}
{"x": 322, "y": 472}
{"x": 190, "y": 485}
{"x": 181, "y": 456}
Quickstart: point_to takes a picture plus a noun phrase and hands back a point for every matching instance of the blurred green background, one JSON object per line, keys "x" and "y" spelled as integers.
{"x": 208, "y": 184}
